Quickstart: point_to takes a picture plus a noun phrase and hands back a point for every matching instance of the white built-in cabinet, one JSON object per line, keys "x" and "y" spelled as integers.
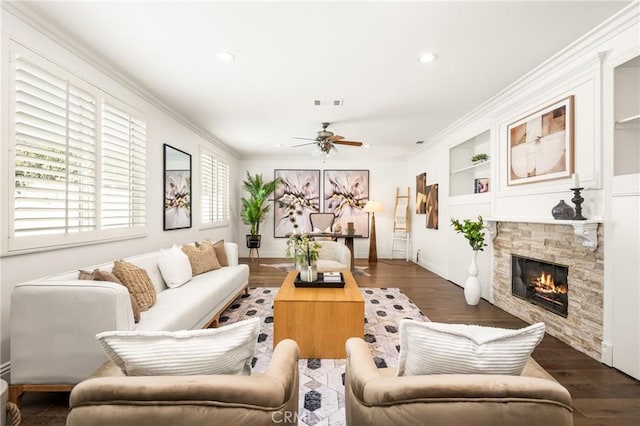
{"x": 622, "y": 228}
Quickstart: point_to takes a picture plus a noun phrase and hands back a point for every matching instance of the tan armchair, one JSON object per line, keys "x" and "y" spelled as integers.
{"x": 377, "y": 397}
{"x": 109, "y": 397}
{"x": 333, "y": 257}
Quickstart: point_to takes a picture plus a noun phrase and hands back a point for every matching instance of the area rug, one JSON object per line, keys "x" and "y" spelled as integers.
{"x": 322, "y": 380}
{"x": 286, "y": 267}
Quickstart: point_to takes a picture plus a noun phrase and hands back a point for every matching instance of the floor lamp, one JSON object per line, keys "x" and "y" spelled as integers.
{"x": 373, "y": 207}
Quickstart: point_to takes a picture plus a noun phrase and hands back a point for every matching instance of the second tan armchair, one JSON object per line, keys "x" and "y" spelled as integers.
{"x": 377, "y": 397}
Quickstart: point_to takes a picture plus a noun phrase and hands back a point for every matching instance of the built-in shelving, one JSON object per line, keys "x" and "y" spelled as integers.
{"x": 466, "y": 177}
{"x": 472, "y": 166}
{"x": 626, "y": 144}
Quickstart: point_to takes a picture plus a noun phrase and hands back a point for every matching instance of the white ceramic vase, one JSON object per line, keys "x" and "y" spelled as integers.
{"x": 472, "y": 290}
{"x": 308, "y": 273}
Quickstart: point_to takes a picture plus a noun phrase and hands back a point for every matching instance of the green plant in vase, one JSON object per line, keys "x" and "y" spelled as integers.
{"x": 305, "y": 251}
{"x": 473, "y": 231}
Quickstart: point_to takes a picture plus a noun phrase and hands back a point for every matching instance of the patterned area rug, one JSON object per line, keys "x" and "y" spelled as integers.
{"x": 286, "y": 267}
{"x": 322, "y": 380}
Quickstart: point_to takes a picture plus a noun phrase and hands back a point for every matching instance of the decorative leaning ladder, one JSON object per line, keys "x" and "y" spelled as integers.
{"x": 401, "y": 220}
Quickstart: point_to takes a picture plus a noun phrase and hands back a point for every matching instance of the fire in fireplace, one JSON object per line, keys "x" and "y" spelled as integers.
{"x": 542, "y": 283}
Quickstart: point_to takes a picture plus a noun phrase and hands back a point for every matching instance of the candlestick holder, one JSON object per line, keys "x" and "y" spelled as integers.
{"x": 577, "y": 200}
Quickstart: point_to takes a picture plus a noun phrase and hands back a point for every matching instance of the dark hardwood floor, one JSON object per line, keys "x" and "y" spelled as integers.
{"x": 601, "y": 395}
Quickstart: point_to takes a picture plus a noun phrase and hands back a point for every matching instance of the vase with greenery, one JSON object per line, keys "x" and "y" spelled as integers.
{"x": 305, "y": 252}
{"x": 473, "y": 231}
{"x": 255, "y": 206}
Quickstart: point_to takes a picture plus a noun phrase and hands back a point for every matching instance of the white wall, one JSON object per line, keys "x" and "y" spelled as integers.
{"x": 385, "y": 175}
{"x": 577, "y": 71}
{"x": 161, "y": 128}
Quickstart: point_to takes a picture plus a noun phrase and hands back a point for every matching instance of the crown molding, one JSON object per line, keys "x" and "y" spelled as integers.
{"x": 573, "y": 53}
{"x": 40, "y": 21}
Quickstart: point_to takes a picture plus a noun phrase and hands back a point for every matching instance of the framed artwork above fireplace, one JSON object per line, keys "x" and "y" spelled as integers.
{"x": 540, "y": 144}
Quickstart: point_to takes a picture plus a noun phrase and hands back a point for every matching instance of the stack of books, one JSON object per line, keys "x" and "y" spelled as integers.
{"x": 332, "y": 277}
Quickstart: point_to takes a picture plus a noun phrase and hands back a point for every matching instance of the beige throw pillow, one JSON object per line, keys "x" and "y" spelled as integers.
{"x": 202, "y": 257}
{"x": 137, "y": 281}
{"x": 218, "y": 247}
{"x": 98, "y": 275}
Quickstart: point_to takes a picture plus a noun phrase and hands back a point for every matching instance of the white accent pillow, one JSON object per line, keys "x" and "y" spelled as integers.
{"x": 437, "y": 348}
{"x": 174, "y": 266}
{"x": 328, "y": 229}
{"x": 224, "y": 350}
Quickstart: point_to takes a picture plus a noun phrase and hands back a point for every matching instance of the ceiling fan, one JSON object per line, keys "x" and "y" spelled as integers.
{"x": 326, "y": 141}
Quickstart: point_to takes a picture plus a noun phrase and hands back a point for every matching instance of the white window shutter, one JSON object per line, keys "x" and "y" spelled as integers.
{"x": 214, "y": 203}
{"x": 64, "y": 149}
{"x": 123, "y": 190}
{"x": 54, "y": 163}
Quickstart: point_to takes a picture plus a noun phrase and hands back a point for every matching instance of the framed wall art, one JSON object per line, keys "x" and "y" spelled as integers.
{"x": 345, "y": 194}
{"x": 481, "y": 185}
{"x": 432, "y": 206}
{"x": 296, "y": 197}
{"x": 177, "y": 188}
{"x": 421, "y": 193}
{"x": 540, "y": 145}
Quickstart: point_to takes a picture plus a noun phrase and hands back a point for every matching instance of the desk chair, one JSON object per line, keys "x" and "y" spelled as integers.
{"x": 322, "y": 222}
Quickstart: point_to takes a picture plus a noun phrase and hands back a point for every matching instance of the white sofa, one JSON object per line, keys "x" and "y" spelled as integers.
{"x": 54, "y": 320}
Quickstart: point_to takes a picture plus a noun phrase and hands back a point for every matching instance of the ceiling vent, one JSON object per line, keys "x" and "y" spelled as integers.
{"x": 328, "y": 102}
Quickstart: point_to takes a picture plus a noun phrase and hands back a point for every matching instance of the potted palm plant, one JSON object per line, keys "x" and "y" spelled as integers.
{"x": 255, "y": 206}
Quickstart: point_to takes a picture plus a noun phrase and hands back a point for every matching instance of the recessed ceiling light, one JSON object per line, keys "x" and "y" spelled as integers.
{"x": 425, "y": 58}
{"x": 225, "y": 56}
{"x": 279, "y": 145}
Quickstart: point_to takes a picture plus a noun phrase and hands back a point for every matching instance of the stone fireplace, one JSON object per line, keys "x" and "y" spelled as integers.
{"x": 579, "y": 324}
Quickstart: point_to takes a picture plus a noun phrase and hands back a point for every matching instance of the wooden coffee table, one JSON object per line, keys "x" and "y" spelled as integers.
{"x": 319, "y": 319}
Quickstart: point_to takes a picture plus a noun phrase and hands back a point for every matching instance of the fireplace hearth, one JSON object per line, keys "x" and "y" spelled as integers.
{"x": 541, "y": 283}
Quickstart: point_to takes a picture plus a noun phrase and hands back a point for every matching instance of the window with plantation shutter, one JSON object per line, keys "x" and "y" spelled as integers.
{"x": 77, "y": 163}
{"x": 124, "y": 194}
{"x": 54, "y": 150}
{"x": 214, "y": 173}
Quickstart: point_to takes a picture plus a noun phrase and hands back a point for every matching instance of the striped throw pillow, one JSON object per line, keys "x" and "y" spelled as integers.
{"x": 437, "y": 348}
{"x": 224, "y": 350}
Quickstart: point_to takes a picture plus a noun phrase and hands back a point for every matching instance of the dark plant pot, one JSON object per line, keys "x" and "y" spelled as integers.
{"x": 253, "y": 241}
